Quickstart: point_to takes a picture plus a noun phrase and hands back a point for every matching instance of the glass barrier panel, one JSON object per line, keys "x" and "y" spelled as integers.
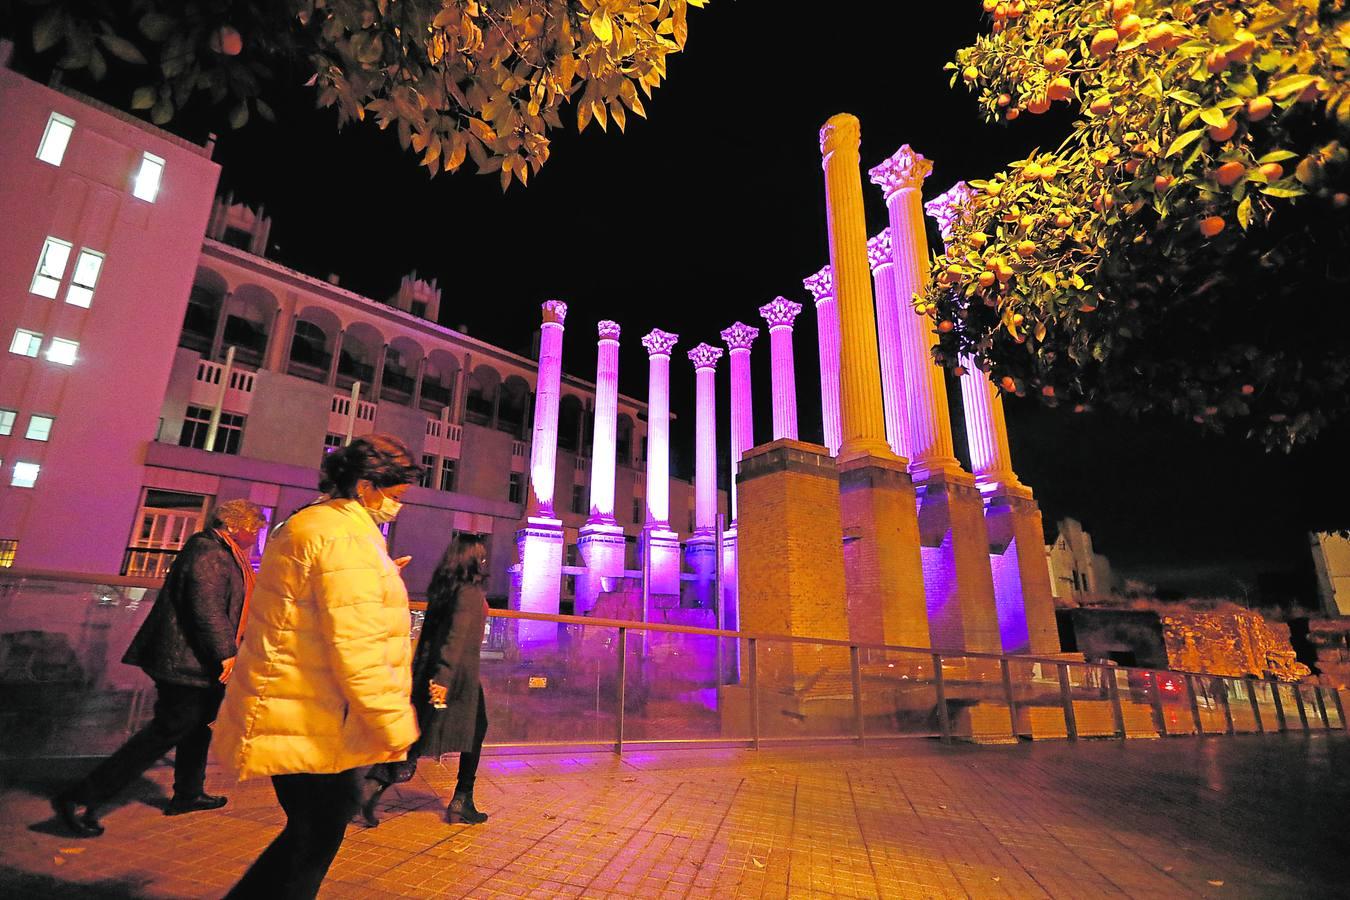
{"x": 1265, "y": 703}
{"x": 1039, "y": 708}
{"x": 977, "y": 701}
{"x": 1333, "y": 711}
{"x": 672, "y": 692}
{"x": 1136, "y": 702}
{"x": 1240, "y": 695}
{"x": 1175, "y": 701}
{"x": 899, "y": 697}
{"x": 63, "y": 688}
{"x": 805, "y": 691}
{"x": 1310, "y": 704}
{"x": 554, "y": 684}
{"x": 1209, "y": 701}
{"x": 1288, "y": 694}
{"x": 1090, "y": 691}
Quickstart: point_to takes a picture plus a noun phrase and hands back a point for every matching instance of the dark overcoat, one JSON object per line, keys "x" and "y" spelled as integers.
{"x": 192, "y": 627}
{"x": 448, "y": 654}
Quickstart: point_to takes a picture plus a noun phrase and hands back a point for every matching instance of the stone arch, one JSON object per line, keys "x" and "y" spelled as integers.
{"x": 514, "y": 408}
{"x": 250, "y": 312}
{"x": 480, "y": 399}
{"x": 571, "y": 412}
{"x": 438, "y": 381}
{"x": 401, "y": 360}
{"x": 312, "y": 342}
{"x": 361, "y": 345}
{"x": 205, "y": 301}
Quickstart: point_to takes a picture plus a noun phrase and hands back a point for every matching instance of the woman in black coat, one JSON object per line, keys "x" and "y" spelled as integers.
{"x": 447, "y": 693}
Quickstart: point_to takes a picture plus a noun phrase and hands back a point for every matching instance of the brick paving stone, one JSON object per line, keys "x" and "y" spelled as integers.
{"x": 1261, "y": 814}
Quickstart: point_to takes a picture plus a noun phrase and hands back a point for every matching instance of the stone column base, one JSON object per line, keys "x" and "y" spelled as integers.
{"x": 958, "y": 581}
{"x": 883, "y": 567}
{"x": 661, "y": 547}
{"x": 700, "y": 554}
{"x": 601, "y": 546}
{"x": 1026, "y": 606}
{"x": 540, "y": 545}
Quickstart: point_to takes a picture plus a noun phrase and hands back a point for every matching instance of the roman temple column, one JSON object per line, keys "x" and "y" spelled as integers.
{"x": 660, "y": 544}
{"x": 821, "y": 286}
{"x": 779, "y": 314}
{"x": 600, "y": 541}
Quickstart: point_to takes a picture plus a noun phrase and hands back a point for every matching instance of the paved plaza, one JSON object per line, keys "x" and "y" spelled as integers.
{"x": 1258, "y": 816}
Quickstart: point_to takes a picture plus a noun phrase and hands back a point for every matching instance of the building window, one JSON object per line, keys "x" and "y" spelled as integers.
{"x": 51, "y": 267}
{"x": 197, "y": 423}
{"x": 147, "y": 179}
{"x": 55, "y": 139}
{"x": 332, "y": 442}
{"x": 39, "y": 428}
{"x": 514, "y": 487}
{"x": 167, "y": 519}
{"x": 578, "y": 498}
{"x": 448, "y": 467}
{"x": 26, "y": 343}
{"x": 85, "y": 278}
{"x": 637, "y": 510}
{"x": 25, "y": 474}
{"x": 428, "y": 470}
{"x": 7, "y": 417}
{"x": 8, "y": 550}
{"x": 63, "y": 351}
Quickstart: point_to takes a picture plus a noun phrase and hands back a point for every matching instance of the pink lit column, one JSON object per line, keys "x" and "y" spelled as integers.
{"x": 601, "y": 541}
{"x": 701, "y": 548}
{"x": 879, "y": 256}
{"x": 779, "y": 314}
{"x": 739, "y": 338}
{"x": 958, "y": 579}
{"x": 540, "y": 542}
{"x": 821, "y": 286}
{"x": 1021, "y": 584}
{"x": 660, "y": 544}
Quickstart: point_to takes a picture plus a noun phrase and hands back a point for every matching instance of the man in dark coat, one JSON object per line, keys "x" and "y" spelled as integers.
{"x": 187, "y": 645}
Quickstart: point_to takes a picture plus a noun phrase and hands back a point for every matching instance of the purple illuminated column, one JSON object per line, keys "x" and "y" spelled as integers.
{"x": 660, "y": 545}
{"x": 544, "y": 448}
{"x": 821, "y": 286}
{"x": 928, "y": 424}
{"x": 739, "y": 338}
{"x": 780, "y": 314}
{"x": 603, "y": 437}
{"x": 861, "y": 411}
{"x": 880, "y": 257}
{"x": 986, "y": 428}
{"x": 705, "y": 357}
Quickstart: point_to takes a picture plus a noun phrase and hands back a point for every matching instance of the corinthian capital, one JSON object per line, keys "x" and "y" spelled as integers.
{"x": 780, "y": 311}
{"x": 821, "y": 285}
{"x": 879, "y": 249}
{"x": 608, "y": 329}
{"x": 740, "y": 336}
{"x": 904, "y": 170}
{"x": 951, "y": 207}
{"x": 555, "y": 312}
{"x": 705, "y": 356}
{"x": 840, "y": 132}
{"x": 659, "y": 343}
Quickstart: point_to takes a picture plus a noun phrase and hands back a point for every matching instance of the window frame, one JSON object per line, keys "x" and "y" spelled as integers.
{"x": 33, "y": 420}
{"x": 139, "y": 180}
{"x": 65, "y": 122}
{"x": 47, "y": 283}
{"x": 63, "y": 344}
{"x": 78, "y": 293}
{"x": 33, "y": 343}
{"x": 8, "y": 419}
{"x": 449, "y": 467}
{"x": 36, "y": 469}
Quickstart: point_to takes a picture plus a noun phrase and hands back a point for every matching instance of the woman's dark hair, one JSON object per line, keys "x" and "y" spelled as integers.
{"x": 381, "y": 459}
{"x": 464, "y": 562}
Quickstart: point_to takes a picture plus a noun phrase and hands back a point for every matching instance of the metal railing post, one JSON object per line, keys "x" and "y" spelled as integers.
{"x": 1113, "y": 691}
{"x": 754, "y": 692}
{"x": 1159, "y": 717}
{"x": 623, "y": 677}
{"x": 1302, "y": 710}
{"x": 1195, "y": 706}
{"x": 1340, "y": 708}
{"x": 940, "y": 690}
{"x": 856, "y": 667}
{"x": 1066, "y": 699}
{"x": 1006, "y": 671}
{"x": 1281, "y": 721}
{"x": 1227, "y": 708}
{"x": 1256, "y": 705}
{"x": 1321, "y": 706}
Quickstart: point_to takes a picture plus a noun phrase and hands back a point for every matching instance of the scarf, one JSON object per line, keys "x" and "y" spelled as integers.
{"x": 246, "y": 569}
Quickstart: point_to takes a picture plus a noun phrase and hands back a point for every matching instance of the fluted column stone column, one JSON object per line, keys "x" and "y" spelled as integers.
{"x": 660, "y": 543}
{"x": 739, "y": 338}
{"x": 882, "y": 261}
{"x": 821, "y": 287}
{"x": 600, "y": 542}
{"x": 779, "y": 314}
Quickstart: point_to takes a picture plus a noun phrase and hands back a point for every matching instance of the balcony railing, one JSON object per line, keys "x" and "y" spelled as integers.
{"x": 564, "y": 681}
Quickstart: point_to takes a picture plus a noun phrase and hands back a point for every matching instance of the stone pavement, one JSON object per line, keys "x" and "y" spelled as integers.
{"x": 1258, "y": 816}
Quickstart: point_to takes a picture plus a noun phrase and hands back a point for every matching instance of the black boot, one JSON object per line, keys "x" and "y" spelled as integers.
{"x": 371, "y": 791}
{"x": 202, "y": 802}
{"x": 67, "y": 811}
{"x": 461, "y": 810}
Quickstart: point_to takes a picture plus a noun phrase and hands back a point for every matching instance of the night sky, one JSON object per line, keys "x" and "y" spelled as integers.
{"x": 715, "y": 205}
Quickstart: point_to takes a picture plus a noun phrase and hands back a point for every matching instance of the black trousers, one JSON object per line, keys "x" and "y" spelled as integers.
{"x": 295, "y": 863}
{"x": 182, "y": 720}
{"x": 399, "y": 772}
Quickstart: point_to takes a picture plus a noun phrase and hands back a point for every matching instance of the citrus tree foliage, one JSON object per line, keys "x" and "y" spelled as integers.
{"x": 457, "y": 79}
{"x": 1187, "y": 247}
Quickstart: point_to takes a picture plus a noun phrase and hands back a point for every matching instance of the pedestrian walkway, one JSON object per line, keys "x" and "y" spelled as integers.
{"x": 1260, "y": 816}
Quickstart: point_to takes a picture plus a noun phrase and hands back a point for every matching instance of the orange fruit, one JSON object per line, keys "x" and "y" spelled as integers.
{"x": 1055, "y": 59}
{"x": 1217, "y": 62}
{"x": 1212, "y": 225}
{"x": 1100, "y": 106}
{"x": 1063, "y": 220}
{"x": 1222, "y": 134}
{"x": 987, "y": 279}
{"x": 1160, "y": 36}
{"x": 1258, "y": 108}
{"x": 1003, "y": 100}
{"x": 1048, "y": 391}
{"x": 1008, "y": 384}
{"x": 1272, "y": 171}
{"x": 1129, "y": 26}
{"x": 1162, "y": 183}
{"x": 1038, "y": 106}
{"x": 1104, "y": 41}
{"x": 1026, "y": 249}
{"x": 1246, "y": 45}
{"x": 227, "y": 41}
{"x": 1121, "y": 8}
{"x": 1013, "y": 113}
{"x": 1229, "y": 173}
{"x": 1060, "y": 88}
{"x": 945, "y": 326}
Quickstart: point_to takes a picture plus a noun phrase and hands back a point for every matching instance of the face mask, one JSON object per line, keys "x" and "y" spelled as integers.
{"x": 387, "y": 511}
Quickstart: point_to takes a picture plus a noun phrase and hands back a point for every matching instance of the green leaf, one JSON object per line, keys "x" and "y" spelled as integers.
{"x": 123, "y": 49}
{"x": 162, "y": 112}
{"x": 239, "y": 115}
{"x": 1244, "y": 213}
{"x": 1181, "y": 142}
{"x": 264, "y": 110}
{"x": 1276, "y": 156}
{"x": 1277, "y": 190}
{"x": 1213, "y": 116}
{"x": 143, "y": 97}
{"x": 1190, "y": 98}
{"x": 49, "y": 30}
{"x": 1290, "y": 84}
{"x": 156, "y": 26}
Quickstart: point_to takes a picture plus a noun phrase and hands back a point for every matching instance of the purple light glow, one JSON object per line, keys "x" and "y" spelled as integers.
{"x": 821, "y": 286}
{"x": 544, "y": 447}
{"x": 780, "y": 313}
{"x": 603, "y": 440}
{"x": 705, "y": 357}
{"x": 1013, "y": 632}
{"x": 659, "y": 344}
{"x": 739, "y": 338}
{"x": 881, "y": 258}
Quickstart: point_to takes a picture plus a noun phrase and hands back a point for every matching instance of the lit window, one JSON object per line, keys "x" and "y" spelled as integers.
{"x": 39, "y": 428}
{"x": 7, "y": 417}
{"x": 147, "y": 179}
{"x": 63, "y": 351}
{"x": 82, "y": 282}
{"x": 55, "y": 139}
{"x": 448, "y": 474}
{"x": 197, "y": 423}
{"x": 25, "y": 343}
{"x": 25, "y": 474}
{"x": 51, "y": 267}
{"x": 8, "y": 550}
